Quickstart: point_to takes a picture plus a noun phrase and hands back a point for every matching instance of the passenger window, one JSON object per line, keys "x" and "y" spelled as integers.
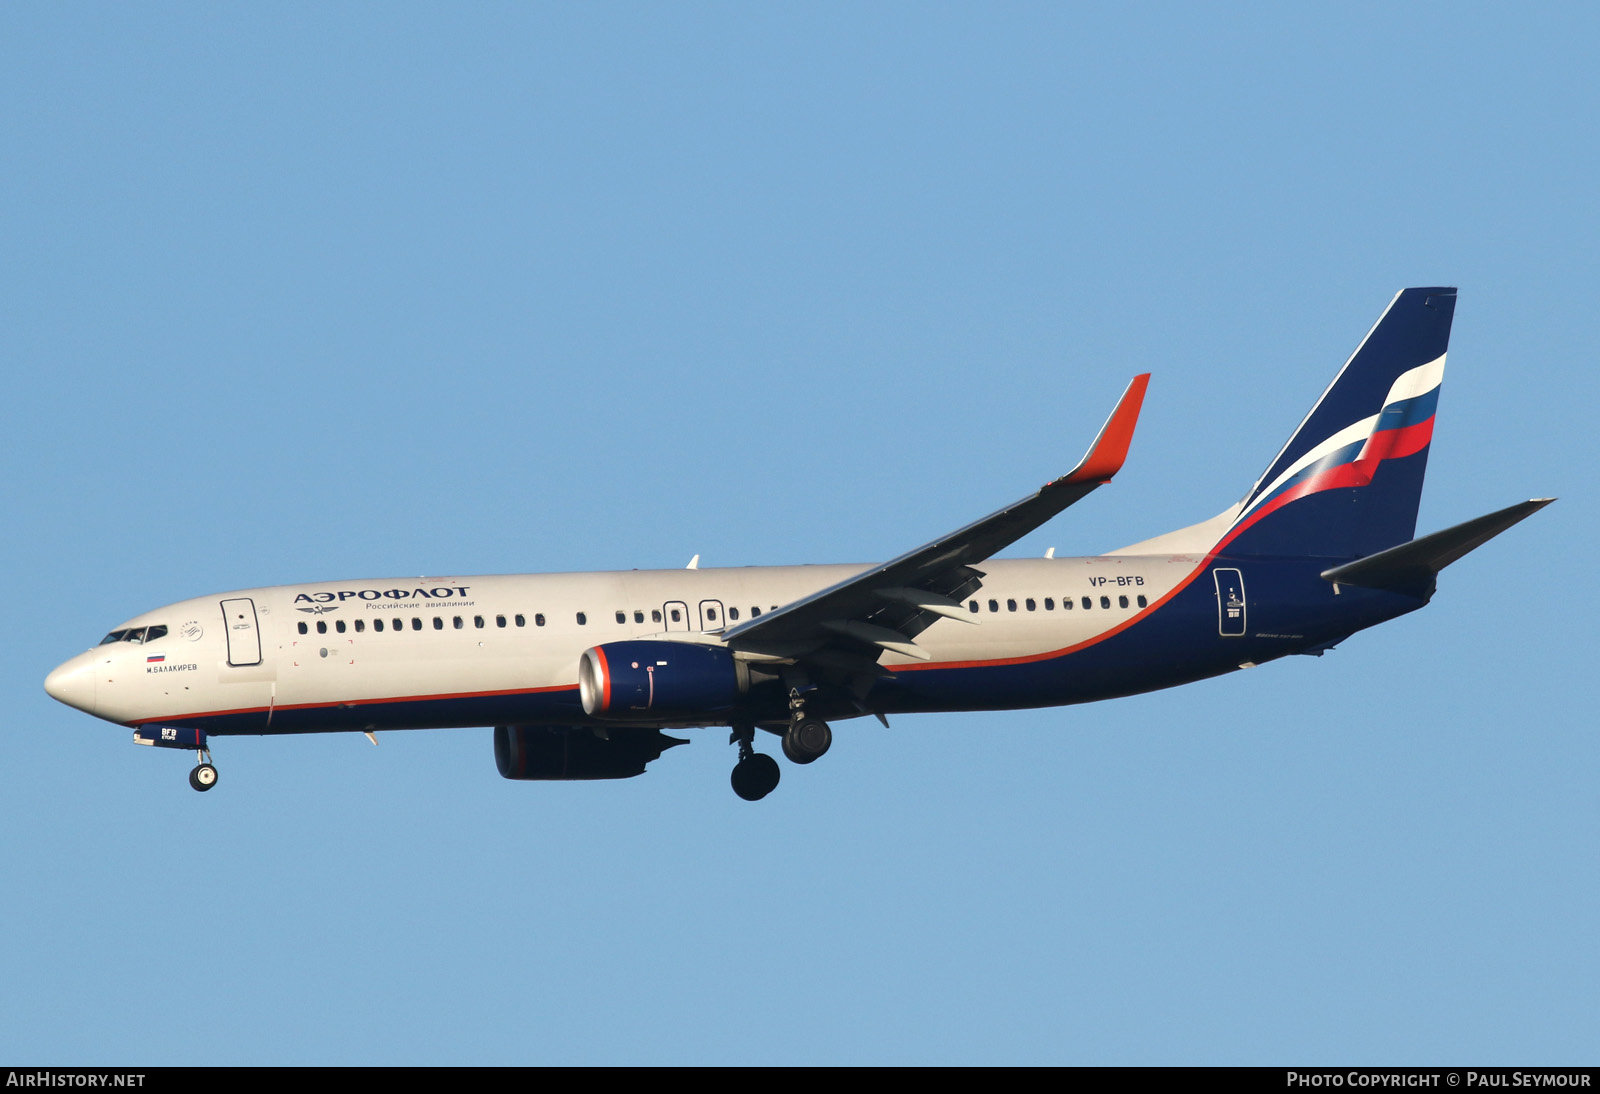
{"x": 655, "y": 615}
{"x": 583, "y": 620}
{"x": 675, "y": 615}
{"x": 638, "y": 616}
{"x": 302, "y": 626}
{"x": 1087, "y": 603}
{"x": 1143, "y": 603}
{"x": 538, "y": 619}
{"x": 1011, "y": 605}
{"x": 994, "y": 605}
{"x": 361, "y": 625}
{"x": 711, "y": 614}
{"x": 1066, "y": 603}
{"x": 377, "y": 625}
{"x": 1049, "y": 604}
{"x": 622, "y": 617}
{"x": 1105, "y": 602}
{"x": 1029, "y": 604}
{"x": 1122, "y": 602}
{"x": 477, "y": 621}
{"x": 438, "y": 623}
{"x": 754, "y": 612}
{"x": 458, "y": 623}
{"x": 972, "y": 606}
{"x": 416, "y": 622}
{"x": 339, "y": 626}
{"x": 322, "y": 627}
{"x": 733, "y": 613}
{"x": 500, "y": 621}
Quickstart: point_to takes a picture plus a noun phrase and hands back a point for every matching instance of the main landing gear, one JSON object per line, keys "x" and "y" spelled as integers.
{"x": 807, "y": 738}
{"x": 203, "y": 777}
{"x": 756, "y": 774}
{"x": 804, "y": 741}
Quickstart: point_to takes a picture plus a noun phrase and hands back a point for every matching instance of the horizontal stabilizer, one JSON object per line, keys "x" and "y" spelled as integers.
{"x": 1417, "y": 562}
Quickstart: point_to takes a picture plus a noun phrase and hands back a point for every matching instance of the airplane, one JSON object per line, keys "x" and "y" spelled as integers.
{"x": 582, "y": 674}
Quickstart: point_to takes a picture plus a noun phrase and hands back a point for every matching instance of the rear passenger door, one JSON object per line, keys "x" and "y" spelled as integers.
{"x": 1230, "y": 601}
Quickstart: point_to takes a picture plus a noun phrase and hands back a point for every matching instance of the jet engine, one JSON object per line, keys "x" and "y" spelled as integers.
{"x": 655, "y": 681}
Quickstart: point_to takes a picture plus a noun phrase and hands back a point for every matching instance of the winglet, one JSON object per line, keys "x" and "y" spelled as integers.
{"x": 1110, "y": 448}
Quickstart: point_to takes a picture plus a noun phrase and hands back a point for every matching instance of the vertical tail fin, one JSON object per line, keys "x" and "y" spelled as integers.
{"x": 1349, "y": 481}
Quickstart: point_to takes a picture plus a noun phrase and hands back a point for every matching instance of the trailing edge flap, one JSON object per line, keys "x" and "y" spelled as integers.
{"x": 836, "y": 613}
{"x": 1418, "y": 561}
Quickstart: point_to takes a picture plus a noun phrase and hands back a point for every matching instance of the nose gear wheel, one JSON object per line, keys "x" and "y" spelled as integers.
{"x": 204, "y": 776}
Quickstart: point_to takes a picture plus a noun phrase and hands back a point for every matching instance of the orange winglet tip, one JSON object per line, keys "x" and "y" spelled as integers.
{"x": 1110, "y": 448}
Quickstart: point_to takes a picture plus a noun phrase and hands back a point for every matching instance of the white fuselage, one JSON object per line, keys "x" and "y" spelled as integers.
{"x": 342, "y": 643}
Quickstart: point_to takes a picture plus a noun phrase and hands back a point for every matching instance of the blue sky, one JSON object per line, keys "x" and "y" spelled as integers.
{"x": 299, "y": 293}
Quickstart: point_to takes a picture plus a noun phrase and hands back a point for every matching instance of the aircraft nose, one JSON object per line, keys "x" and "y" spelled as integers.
{"x": 72, "y": 683}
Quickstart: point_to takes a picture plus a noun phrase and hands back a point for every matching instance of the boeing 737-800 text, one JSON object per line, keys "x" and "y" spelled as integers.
{"x": 581, "y": 674}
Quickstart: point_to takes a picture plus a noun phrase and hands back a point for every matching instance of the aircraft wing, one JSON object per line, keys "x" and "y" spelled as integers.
{"x": 851, "y": 624}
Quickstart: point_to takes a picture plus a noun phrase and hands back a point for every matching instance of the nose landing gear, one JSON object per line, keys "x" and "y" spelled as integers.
{"x": 204, "y": 776}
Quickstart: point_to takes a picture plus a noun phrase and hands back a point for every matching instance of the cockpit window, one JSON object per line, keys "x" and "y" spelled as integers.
{"x": 137, "y": 635}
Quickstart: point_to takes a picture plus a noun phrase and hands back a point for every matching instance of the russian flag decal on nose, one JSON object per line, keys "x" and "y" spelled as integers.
{"x": 154, "y": 658}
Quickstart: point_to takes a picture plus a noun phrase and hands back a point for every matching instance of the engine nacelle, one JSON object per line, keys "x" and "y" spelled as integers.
{"x": 652, "y": 681}
{"x": 577, "y": 752}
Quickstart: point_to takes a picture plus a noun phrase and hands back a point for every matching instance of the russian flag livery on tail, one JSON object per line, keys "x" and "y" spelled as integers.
{"x": 581, "y": 675}
{"x": 1350, "y": 479}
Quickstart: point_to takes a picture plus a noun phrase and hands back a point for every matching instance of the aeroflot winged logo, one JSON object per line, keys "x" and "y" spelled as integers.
{"x": 327, "y": 601}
